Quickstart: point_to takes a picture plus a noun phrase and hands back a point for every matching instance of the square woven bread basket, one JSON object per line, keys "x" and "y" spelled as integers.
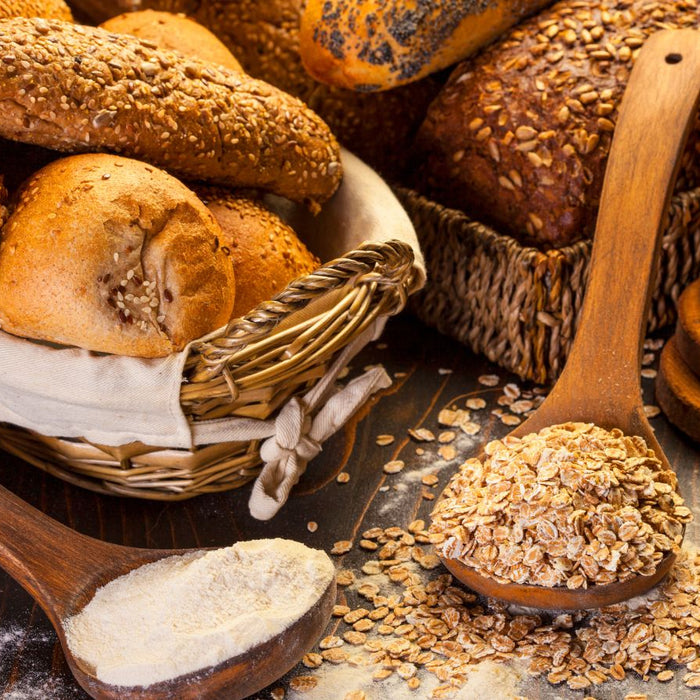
{"x": 519, "y": 305}
{"x": 279, "y": 353}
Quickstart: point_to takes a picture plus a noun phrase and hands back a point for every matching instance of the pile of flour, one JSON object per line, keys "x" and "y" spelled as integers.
{"x": 186, "y": 613}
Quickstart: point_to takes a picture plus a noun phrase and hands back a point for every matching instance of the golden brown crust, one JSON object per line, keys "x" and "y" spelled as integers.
{"x": 379, "y": 44}
{"x": 520, "y": 135}
{"x": 174, "y": 32}
{"x": 266, "y": 253}
{"x": 50, "y": 9}
{"x": 72, "y": 88}
{"x": 112, "y": 255}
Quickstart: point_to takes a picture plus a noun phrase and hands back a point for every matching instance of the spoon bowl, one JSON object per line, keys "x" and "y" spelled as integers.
{"x": 600, "y": 383}
{"x": 62, "y": 569}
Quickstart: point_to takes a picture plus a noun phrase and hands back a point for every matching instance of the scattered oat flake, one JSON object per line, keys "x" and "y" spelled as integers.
{"x": 345, "y": 577}
{"x": 647, "y": 358}
{"x": 355, "y": 695}
{"x": 303, "y": 684}
{"x": 420, "y": 451}
{"x": 394, "y": 467}
{"x": 447, "y": 436}
{"x": 470, "y": 428}
{"x": 444, "y": 370}
{"x": 651, "y": 411}
{"x": 692, "y": 680}
{"x": 312, "y": 526}
{"x": 399, "y": 375}
{"x": 422, "y": 434}
{"x": 330, "y": 642}
{"x": 342, "y": 547}
{"x": 511, "y": 390}
{"x": 372, "y": 568}
{"x": 665, "y": 676}
{"x": 509, "y": 419}
{"x": 447, "y": 452}
{"x": 277, "y": 694}
{"x": 428, "y": 496}
{"x": 312, "y": 660}
{"x": 648, "y": 373}
{"x": 429, "y": 480}
{"x": 636, "y": 696}
{"x": 340, "y": 610}
{"x": 381, "y": 346}
{"x": 384, "y": 440}
{"x": 521, "y": 406}
{"x": 476, "y": 404}
{"x": 489, "y": 379}
{"x": 343, "y": 478}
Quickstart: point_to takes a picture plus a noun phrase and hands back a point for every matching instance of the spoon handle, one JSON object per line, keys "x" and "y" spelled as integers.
{"x": 46, "y": 557}
{"x": 601, "y": 380}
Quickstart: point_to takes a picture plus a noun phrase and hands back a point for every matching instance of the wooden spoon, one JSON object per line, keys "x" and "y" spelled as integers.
{"x": 62, "y": 569}
{"x": 600, "y": 383}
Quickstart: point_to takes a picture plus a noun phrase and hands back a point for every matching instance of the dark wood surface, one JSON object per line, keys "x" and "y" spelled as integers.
{"x": 31, "y": 660}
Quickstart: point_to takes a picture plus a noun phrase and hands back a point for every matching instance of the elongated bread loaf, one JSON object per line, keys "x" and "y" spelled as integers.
{"x": 55, "y": 9}
{"x": 76, "y": 88}
{"x": 113, "y": 255}
{"x": 379, "y": 44}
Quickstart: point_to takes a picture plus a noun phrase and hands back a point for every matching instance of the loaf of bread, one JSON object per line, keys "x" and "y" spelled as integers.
{"x": 174, "y": 32}
{"x": 372, "y": 45}
{"x": 74, "y": 88}
{"x": 50, "y": 9}
{"x": 266, "y": 253}
{"x": 264, "y": 37}
{"x": 113, "y": 255}
{"x": 519, "y": 136}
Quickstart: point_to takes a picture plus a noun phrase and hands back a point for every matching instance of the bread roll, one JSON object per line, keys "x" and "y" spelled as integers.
{"x": 266, "y": 253}
{"x": 174, "y": 32}
{"x": 370, "y": 45}
{"x": 112, "y": 255}
{"x": 50, "y": 9}
{"x": 70, "y": 87}
{"x": 520, "y": 135}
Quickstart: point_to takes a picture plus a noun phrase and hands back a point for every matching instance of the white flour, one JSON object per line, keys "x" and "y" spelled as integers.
{"x": 186, "y": 613}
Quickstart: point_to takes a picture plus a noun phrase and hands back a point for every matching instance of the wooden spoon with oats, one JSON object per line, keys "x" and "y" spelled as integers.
{"x": 600, "y": 383}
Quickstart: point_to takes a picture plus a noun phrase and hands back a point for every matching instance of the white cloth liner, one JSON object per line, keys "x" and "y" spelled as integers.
{"x": 114, "y": 400}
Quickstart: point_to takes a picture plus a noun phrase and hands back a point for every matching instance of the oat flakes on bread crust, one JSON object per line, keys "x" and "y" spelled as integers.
{"x": 174, "y": 32}
{"x": 112, "y": 255}
{"x": 50, "y": 9}
{"x": 77, "y": 88}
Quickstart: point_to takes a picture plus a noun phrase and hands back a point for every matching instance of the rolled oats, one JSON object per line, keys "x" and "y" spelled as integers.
{"x": 573, "y": 505}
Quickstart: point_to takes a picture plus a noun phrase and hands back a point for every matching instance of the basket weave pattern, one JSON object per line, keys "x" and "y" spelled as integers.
{"x": 519, "y": 305}
{"x": 280, "y": 349}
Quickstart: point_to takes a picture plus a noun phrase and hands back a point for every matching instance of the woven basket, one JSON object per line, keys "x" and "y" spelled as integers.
{"x": 519, "y": 305}
{"x": 249, "y": 370}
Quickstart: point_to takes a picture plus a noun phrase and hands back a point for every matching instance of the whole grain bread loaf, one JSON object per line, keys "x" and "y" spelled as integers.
{"x": 78, "y": 88}
{"x": 54, "y": 9}
{"x": 113, "y": 255}
{"x": 266, "y": 253}
{"x": 519, "y": 136}
{"x": 174, "y": 32}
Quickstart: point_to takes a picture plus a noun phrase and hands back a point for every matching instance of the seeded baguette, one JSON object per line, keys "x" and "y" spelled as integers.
{"x": 112, "y": 255}
{"x": 54, "y": 9}
{"x": 76, "y": 88}
{"x": 174, "y": 32}
{"x": 266, "y": 253}
{"x": 519, "y": 136}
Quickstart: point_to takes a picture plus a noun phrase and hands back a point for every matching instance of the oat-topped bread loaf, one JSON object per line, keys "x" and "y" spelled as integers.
{"x": 266, "y": 253}
{"x": 264, "y": 37}
{"x": 113, "y": 255}
{"x": 55, "y": 9}
{"x": 71, "y": 87}
{"x": 175, "y": 32}
{"x": 519, "y": 137}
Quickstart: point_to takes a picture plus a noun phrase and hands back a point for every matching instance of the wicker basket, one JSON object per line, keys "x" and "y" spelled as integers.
{"x": 519, "y": 305}
{"x": 278, "y": 350}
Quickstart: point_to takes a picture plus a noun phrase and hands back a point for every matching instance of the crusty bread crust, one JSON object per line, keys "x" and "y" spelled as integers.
{"x": 174, "y": 32}
{"x": 520, "y": 135}
{"x": 266, "y": 253}
{"x": 77, "y": 88}
{"x": 50, "y": 9}
{"x": 373, "y": 45}
{"x": 113, "y": 255}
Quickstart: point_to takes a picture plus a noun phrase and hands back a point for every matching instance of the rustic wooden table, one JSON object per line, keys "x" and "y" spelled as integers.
{"x": 431, "y": 373}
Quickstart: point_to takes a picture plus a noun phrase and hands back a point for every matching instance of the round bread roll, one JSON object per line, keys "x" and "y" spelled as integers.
{"x": 112, "y": 255}
{"x": 266, "y": 253}
{"x": 50, "y": 9}
{"x": 174, "y": 32}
